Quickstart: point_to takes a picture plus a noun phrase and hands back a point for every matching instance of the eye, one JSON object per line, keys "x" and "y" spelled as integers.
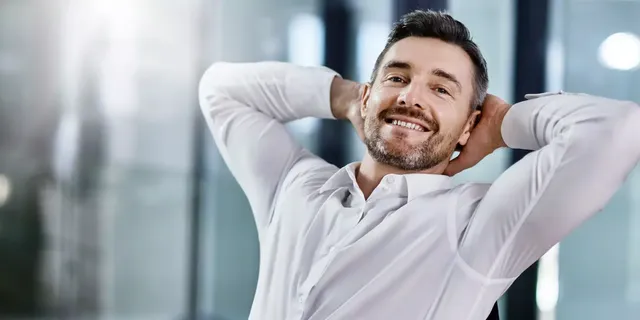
{"x": 396, "y": 79}
{"x": 442, "y": 91}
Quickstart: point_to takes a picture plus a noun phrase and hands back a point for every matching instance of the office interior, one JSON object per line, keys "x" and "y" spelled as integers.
{"x": 115, "y": 204}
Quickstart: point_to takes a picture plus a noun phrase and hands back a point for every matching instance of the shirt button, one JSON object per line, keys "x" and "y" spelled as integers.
{"x": 301, "y": 298}
{"x": 390, "y": 179}
{"x": 331, "y": 249}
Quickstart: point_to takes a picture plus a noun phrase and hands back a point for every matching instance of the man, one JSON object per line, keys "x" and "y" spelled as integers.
{"x": 391, "y": 237}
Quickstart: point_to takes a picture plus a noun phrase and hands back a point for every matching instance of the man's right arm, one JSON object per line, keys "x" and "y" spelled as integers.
{"x": 246, "y": 105}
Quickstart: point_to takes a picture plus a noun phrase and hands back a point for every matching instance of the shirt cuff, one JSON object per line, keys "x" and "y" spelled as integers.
{"x": 309, "y": 91}
{"x": 518, "y": 124}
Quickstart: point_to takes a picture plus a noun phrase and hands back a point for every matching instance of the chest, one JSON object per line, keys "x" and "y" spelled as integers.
{"x": 318, "y": 223}
{"x": 334, "y": 244}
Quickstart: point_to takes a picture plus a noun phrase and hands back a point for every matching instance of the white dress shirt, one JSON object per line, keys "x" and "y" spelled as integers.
{"x": 419, "y": 247}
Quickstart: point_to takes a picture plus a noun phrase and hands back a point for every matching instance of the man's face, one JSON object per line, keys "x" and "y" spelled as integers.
{"x": 418, "y": 108}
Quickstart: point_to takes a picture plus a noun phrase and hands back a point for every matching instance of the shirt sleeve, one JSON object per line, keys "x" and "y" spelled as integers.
{"x": 246, "y": 105}
{"x": 585, "y": 148}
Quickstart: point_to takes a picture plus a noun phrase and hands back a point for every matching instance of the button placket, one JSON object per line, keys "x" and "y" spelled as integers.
{"x": 314, "y": 276}
{"x": 322, "y": 265}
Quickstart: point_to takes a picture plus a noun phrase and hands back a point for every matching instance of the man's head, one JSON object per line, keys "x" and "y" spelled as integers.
{"x": 424, "y": 92}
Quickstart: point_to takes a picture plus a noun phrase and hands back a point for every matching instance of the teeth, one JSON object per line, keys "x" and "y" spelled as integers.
{"x": 408, "y": 125}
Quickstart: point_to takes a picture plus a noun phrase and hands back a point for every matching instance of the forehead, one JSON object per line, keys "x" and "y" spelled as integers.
{"x": 427, "y": 54}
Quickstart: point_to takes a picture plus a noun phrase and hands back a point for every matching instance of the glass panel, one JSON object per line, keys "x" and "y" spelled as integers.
{"x": 599, "y": 262}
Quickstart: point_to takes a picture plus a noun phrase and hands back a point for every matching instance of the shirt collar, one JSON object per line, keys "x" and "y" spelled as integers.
{"x": 418, "y": 184}
{"x": 344, "y": 177}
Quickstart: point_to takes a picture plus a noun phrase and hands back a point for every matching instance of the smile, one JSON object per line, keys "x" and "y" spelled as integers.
{"x": 406, "y": 124}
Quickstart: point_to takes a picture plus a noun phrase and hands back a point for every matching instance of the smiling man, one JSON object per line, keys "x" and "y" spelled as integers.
{"x": 391, "y": 237}
{"x": 422, "y": 98}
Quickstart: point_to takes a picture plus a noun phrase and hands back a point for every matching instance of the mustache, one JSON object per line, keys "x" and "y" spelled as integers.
{"x": 411, "y": 113}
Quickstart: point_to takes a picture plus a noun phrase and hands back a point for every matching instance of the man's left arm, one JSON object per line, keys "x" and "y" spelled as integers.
{"x": 585, "y": 147}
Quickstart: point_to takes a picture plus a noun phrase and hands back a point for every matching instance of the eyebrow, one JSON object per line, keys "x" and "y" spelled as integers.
{"x": 448, "y": 76}
{"x": 395, "y": 64}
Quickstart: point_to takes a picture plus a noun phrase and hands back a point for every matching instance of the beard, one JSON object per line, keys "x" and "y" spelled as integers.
{"x": 399, "y": 153}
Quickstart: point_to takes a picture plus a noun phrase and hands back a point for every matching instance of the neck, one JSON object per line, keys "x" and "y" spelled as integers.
{"x": 371, "y": 172}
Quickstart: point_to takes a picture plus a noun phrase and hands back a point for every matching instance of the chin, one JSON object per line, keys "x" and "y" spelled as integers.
{"x": 404, "y": 141}
{"x": 400, "y": 150}
{"x": 396, "y": 155}
{"x": 399, "y": 153}
{"x": 403, "y": 147}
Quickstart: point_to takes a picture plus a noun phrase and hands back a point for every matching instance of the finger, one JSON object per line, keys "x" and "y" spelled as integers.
{"x": 491, "y": 101}
{"x": 456, "y": 165}
{"x": 463, "y": 162}
{"x": 490, "y": 98}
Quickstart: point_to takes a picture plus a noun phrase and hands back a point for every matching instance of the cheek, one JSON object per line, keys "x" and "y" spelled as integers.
{"x": 452, "y": 122}
{"x": 379, "y": 101}
{"x": 376, "y": 98}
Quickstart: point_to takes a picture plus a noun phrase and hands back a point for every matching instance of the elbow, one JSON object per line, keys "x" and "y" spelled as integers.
{"x": 215, "y": 87}
{"x": 612, "y": 131}
{"x": 621, "y": 138}
{"x": 211, "y": 81}
{"x": 629, "y": 131}
{"x": 213, "y": 94}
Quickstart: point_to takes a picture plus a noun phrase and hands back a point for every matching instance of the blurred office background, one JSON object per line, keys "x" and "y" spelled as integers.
{"x": 114, "y": 203}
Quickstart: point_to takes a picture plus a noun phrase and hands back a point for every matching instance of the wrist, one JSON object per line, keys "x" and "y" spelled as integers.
{"x": 499, "y": 118}
{"x": 345, "y": 98}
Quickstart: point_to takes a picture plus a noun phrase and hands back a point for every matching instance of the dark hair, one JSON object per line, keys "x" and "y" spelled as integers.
{"x": 439, "y": 25}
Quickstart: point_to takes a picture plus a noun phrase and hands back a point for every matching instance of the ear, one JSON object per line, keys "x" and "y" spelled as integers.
{"x": 471, "y": 122}
{"x": 366, "y": 93}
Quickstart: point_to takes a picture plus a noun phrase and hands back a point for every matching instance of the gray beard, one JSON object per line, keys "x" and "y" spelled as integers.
{"x": 425, "y": 156}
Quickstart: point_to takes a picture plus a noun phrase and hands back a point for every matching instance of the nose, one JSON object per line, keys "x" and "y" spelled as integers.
{"x": 411, "y": 96}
